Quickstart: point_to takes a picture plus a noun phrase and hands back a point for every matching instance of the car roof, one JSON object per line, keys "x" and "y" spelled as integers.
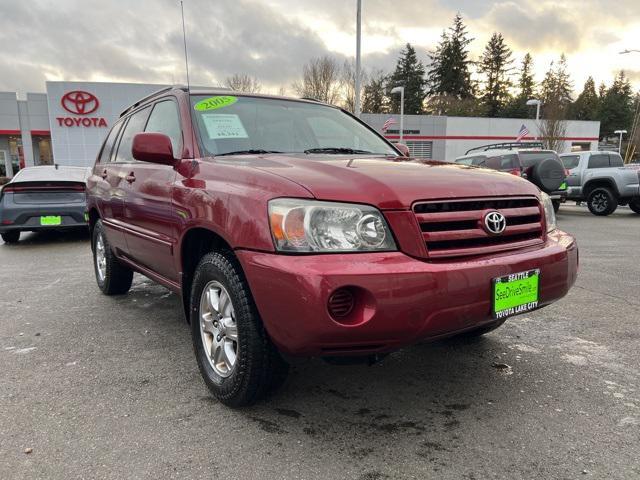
{"x": 587, "y": 152}
{"x": 213, "y": 91}
{"x": 47, "y": 173}
{"x": 496, "y": 152}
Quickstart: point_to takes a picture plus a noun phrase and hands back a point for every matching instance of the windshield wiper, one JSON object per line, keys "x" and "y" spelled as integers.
{"x": 247, "y": 152}
{"x": 337, "y": 150}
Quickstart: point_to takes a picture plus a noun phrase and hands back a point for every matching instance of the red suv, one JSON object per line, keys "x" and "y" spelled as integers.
{"x": 290, "y": 228}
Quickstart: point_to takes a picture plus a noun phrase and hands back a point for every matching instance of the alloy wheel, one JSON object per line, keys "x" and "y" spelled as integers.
{"x": 218, "y": 328}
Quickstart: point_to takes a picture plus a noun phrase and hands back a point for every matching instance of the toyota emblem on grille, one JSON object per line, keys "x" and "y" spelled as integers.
{"x": 495, "y": 223}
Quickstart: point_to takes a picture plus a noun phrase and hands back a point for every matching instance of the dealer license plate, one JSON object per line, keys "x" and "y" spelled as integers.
{"x": 50, "y": 220}
{"x": 516, "y": 293}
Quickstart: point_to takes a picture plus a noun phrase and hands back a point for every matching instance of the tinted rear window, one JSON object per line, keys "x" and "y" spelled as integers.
{"x": 48, "y": 174}
{"x": 615, "y": 160}
{"x": 570, "y": 161}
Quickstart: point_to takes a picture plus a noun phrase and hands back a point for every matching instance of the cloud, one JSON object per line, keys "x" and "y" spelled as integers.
{"x": 550, "y": 28}
{"x": 141, "y": 41}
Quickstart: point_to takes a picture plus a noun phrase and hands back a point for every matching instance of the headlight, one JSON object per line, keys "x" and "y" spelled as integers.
{"x": 549, "y": 213}
{"x": 314, "y": 226}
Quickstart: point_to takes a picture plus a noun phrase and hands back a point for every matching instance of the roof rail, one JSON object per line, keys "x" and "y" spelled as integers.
{"x": 310, "y": 99}
{"x": 506, "y": 146}
{"x": 149, "y": 97}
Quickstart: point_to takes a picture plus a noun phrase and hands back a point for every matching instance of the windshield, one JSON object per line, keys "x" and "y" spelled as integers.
{"x": 570, "y": 161}
{"x": 230, "y": 124}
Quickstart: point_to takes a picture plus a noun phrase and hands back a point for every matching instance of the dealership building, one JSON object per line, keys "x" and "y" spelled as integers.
{"x": 68, "y": 123}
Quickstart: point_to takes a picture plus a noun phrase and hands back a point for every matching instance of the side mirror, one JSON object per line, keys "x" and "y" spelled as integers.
{"x": 403, "y": 149}
{"x": 153, "y": 148}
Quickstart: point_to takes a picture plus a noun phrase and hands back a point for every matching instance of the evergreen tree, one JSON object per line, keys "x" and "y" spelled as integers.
{"x": 517, "y": 107}
{"x": 617, "y": 107}
{"x": 495, "y": 65}
{"x": 374, "y": 99}
{"x": 587, "y": 104}
{"x": 557, "y": 85}
{"x": 409, "y": 73}
{"x": 450, "y": 65}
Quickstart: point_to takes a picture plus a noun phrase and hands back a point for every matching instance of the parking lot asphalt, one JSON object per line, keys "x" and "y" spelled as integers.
{"x": 102, "y": 387}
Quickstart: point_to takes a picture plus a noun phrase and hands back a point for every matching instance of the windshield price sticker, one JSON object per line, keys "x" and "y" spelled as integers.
{"x": 214, "y": 103}
{"x": 223, "y": 126}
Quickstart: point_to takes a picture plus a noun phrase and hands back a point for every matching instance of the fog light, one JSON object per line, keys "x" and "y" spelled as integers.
{"x": 341, "y": 303}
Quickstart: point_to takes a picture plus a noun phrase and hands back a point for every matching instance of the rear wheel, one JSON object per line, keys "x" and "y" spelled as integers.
{"x": 113, "y": 278}
{"x": 602, "y": 202}
{"x": 235, "y": 356}
{"x": 635, "y": 205}
{"x": 11, "y": 237}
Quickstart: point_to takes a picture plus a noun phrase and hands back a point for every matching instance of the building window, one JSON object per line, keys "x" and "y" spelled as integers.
{"x": 42, "y": 151}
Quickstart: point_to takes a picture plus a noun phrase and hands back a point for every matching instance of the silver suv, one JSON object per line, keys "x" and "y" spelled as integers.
{"x": 602, "y": 180}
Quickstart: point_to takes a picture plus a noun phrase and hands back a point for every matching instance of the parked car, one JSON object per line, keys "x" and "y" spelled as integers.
{"x": 43, "y": 198}
{"x": 291, "y": 228}
{"x": 527, "y": 160}
{"x": 602, "y": 180}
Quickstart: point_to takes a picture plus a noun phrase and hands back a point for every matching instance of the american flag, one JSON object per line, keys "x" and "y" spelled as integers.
{"x": 387, "y": 124}
{"x": 524, "y": 131}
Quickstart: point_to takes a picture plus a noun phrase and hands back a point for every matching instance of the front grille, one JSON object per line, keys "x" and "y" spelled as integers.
{"x": 456, "y": 228}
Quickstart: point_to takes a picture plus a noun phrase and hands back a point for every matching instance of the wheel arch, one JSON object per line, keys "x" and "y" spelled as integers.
{"x": 197, "y": 242}
{"x": 608, "y": 182}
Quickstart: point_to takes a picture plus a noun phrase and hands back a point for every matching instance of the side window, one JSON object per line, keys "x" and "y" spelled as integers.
{"x": 165, "y": 119}
{"x": 509, "y": 162}
{"x": 107, "y": 146}
{"x": 599, "y": 160}
{"x": 615, "y": 160}
{"x": 134, "y": 125}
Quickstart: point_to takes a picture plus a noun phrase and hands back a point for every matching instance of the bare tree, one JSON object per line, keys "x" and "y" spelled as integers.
{"x": 553, "y": 128}
{"x": 348, "y": 79}
{"x": 243, "y": 83}
{"x": 321, "y": 80}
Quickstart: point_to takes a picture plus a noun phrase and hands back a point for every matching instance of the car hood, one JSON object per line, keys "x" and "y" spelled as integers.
{"x": 389, "y": 183}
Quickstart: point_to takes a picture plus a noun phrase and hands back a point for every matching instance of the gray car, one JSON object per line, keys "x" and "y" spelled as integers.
{"x": 42, "y": 198}
{"x": 602, "y": 180}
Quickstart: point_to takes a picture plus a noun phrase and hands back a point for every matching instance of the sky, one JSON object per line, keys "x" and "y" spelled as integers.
{"x": 141, "y": 40}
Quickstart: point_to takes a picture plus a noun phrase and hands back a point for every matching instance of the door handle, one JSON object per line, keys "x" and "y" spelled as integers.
{"x": 130, "y": 178}
{"x": 104, "y": 174}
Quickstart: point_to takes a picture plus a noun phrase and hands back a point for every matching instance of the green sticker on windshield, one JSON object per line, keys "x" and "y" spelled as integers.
{"x": 214, "y": 103}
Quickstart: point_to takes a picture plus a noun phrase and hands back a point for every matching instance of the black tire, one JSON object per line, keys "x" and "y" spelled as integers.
{"x": 634, "y": 205}
{"x": 258, "y": 367}
{"x": 117, "y": 277}
{"x": 556, "y": 205}
{"x": 478, "y": 332}
{"x": 602, "y": 202}
{"x": 11, "y": 237}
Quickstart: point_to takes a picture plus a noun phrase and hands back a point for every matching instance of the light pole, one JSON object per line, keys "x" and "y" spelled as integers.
{"x": 537, "y": 103}
{"x": 400, "y": 90}
{"x": 358, "y": 61}
{"x": 621, "y": 133}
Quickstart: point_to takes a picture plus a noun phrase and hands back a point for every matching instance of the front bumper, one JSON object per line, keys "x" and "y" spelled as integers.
{"x": 403, "y": 300}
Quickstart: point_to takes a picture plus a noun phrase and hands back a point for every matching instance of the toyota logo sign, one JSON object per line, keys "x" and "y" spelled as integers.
{"x": 495, "y": 223}
{"x": 79, "y": 102}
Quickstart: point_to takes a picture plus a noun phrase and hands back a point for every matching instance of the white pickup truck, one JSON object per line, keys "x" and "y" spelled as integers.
{"x": 602, "y": 180}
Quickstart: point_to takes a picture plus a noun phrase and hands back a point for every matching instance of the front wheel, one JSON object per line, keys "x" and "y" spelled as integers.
{"x": 236, "y": 358}
{"x": 602, "y": 202}
{"x": 112, "y": 277}
{"x": 634, "y": 205}
{"x": 11, "y": 237}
